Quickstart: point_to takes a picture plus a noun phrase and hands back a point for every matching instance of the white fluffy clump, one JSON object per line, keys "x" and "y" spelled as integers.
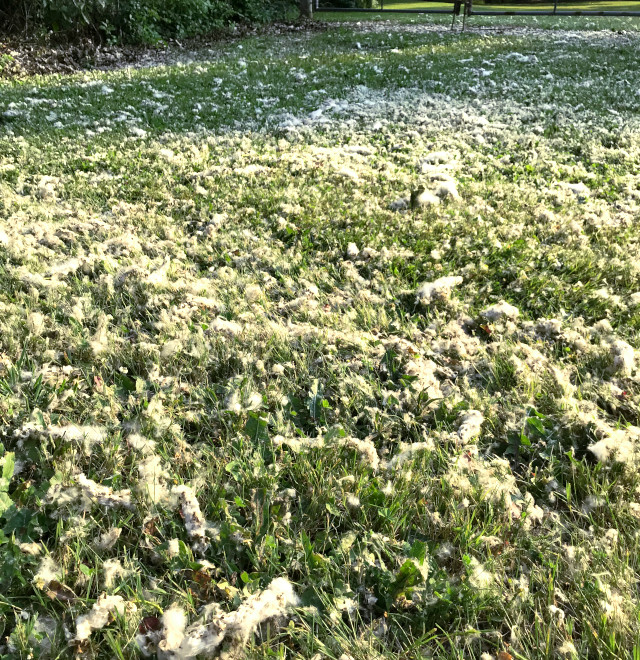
{"x": 101, "y": 614}
{"x": 438, "y": 158}
{"x": 493, "y": 479}
{"x": 623, "y": 357}
{"x": 236, "y": 627}
{"x": 352, "y": 251}
{"x": 224, "y": 327}
{"x": 567, "y": 650}
{"x": 103, "y": 494}
{"x": 447, "y": 190}
{"x": 33, "y": 549}
{"x": 108, "y": 539}
{"x": 470, "y": 425}
{"x": 499, "y": 311}
{"x": 407, "y": 453}
{"x": 194, "y": 521}
{"x": 153, "y": 478}
{"x": 113, "y": 569}
{"x": 86, "y": 436}
{"x": 618, "y": 445}
{"x": 479, "y": 577}
{"x": 365, "y": 448}
{"x": 47, "y": 572}
{"x": 439, "y": 290}
{"x": 174, "y": 622}
{"x": 426, "y": 198}
{"x": 36, "y": 323}
{"x": 46, "y": 190}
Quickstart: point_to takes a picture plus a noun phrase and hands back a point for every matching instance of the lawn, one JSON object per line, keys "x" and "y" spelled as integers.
{"x": 563, "y": 6}
{"x": 325, "y": 345}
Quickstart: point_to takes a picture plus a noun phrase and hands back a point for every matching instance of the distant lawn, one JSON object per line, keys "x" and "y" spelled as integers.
{"x": 609, "y": 5}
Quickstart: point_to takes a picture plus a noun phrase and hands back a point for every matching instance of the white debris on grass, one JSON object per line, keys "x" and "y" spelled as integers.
{"x": 174, "y": 622}
{"x": 470, "y": 425}
{"x": 618, "y": 445}
{"x": 154, "y": 478}
{"x": 365, "y": 447}
{"x": 101, "y": 614}
{"x": 205, "y": 637}
{"x": 113, "y": 569}
{"x": 47, "y": 572}
{"x": 407, "y": 453}
{"x": 448, "y": 190}
{"x": 194, "y": 520}
{"x": 479, "y": 577}
{"x": 104, "y": 495}
{"x": 499, "y": 311}
{"x": 108, "y": 539}
{"x": 623, "y": 357}
{"x": 438, "y": 290}
{"x": 85, "y": 436}
{"x": 426, "y": 198}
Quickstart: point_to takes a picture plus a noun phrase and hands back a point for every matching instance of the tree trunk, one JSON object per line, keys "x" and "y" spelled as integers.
{"x": 306, "y": 8}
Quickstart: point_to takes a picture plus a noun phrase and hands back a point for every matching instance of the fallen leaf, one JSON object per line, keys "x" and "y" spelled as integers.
{"x": 149, "y": 624}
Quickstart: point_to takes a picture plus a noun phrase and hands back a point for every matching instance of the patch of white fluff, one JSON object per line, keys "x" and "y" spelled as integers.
{"x": 623, "y": 357}
{"x": 174, "y": 622}
{"x": 100, "y": 341}
{"x": 48, "y": 571}
{"x": 47, "y": 187}
{"x": 236, "y": 627}
{"x": 447, "y": 190}
{"x": 470, "y": 425}
{"x": 36, "y": 323}
{"x": 618, "y": 445}
{"x": 33, "y": 549}
{"x": 407, "y": 453}
{"x": 229, "y": 328}
{"x": 113, "y": 569}
{"x": 352, "y": 251}
{"x": 108, "y": 539}
{"x": 86, "y": 436}
{"x": 140, "y": 443}
{"x": 567, "y": 650}
{"x": 365, "y": 448}
{"x": 479, "y": 578}
{"x": 194, "y": 521}
{"x": 159, "y": 275}
{"x": 494, "y": 479}
{"x": 153, "y": 478}
{"x": 426, "y": 198}
{"x": 439, "y": 290}
{"x": 438, "y": 158}
{"x": 499, "y": 311}
{"x": 101, "y": 614}
{"x": 535, "y": 514}
{"x": 103, "y": 494}
{"x": 173, "y": 547}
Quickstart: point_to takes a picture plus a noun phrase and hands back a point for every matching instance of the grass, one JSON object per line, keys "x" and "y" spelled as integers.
{"x": 537, "y": 6}
{"x": 228, "y": 356}
{"x": 506, "y": 7}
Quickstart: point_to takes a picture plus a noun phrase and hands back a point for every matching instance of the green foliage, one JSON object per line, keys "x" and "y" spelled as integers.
{"x": 139, "y": 21}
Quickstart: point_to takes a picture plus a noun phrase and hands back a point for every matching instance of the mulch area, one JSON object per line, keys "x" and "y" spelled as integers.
{"x": 20, "y": 57}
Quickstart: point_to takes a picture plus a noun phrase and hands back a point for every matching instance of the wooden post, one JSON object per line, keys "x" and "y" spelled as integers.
{"x": 306, "y": 8}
